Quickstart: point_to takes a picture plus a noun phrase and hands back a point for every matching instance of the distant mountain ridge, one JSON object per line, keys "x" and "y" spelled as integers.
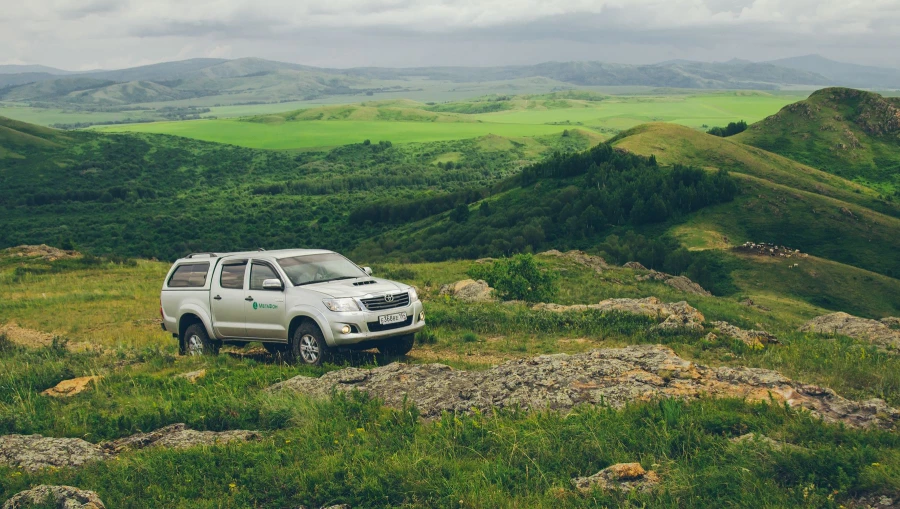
{"x": 260, "y": 80}
{"x": 840, "y": 73}
{"x": 255, "y": 79}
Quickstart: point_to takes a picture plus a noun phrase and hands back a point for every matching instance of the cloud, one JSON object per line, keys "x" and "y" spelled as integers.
{"x": 107, "y": 30}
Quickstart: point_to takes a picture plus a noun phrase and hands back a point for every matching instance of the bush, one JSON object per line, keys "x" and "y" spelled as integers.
{"x": 521, "y": 277}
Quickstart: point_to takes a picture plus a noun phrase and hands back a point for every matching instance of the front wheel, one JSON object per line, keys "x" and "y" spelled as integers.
{"x": 400, "y": 345}
{"x": 196, "y": 341}
{"x": 308, "y": 346}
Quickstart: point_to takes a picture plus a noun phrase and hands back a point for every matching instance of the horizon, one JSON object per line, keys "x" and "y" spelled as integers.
{"x": 775, "y": 61}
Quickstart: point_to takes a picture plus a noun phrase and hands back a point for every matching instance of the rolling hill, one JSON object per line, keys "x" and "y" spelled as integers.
{"x": 255, "y": 79}
{"x": 850, "y": 133}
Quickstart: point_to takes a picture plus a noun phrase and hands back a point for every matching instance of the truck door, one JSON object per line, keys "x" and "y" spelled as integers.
{"x": 228, "y": 305}
{"x": 265, "y": 308}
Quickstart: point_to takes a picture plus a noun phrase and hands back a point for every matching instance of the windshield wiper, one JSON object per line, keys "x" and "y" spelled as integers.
{"x": 328, "y": 280}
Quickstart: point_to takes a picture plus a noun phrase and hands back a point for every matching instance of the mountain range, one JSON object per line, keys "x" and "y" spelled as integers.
{"x": 259, "y": 80}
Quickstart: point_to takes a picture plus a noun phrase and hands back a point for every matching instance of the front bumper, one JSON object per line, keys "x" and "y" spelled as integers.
{"x": 364, "y": 324}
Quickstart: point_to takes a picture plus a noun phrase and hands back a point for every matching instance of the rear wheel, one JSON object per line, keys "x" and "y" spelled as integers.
{"x": 196, "y": 341}
{"x": 401, "y": 345}
{"x": 308, "y": 346}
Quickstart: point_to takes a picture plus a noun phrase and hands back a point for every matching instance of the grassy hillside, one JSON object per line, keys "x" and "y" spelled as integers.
{"x": 145, "y": 194}
{"x": 379, "y": 455}
{"x": 781, "y": 201}
{"x": 851, "y": 133}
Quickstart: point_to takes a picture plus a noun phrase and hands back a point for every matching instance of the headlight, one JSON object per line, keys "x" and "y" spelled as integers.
{"x": 341, "y": 305}
{"x": 413, "y": 296}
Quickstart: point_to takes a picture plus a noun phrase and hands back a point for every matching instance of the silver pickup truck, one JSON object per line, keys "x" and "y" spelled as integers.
{"x": 300, "y": 303}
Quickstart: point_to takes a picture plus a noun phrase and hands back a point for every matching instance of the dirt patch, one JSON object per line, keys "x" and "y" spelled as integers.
{"x": 29, "y": 338}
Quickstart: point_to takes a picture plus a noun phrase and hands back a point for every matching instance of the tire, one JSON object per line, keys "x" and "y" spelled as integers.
{"x": 398, "y": 346}
{"x": 196, "y": 341}
{"x": 307, "y": 346}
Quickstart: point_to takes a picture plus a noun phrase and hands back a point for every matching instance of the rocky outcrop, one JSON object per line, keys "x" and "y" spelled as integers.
{"x": 178, "y": 436}
{"x": 612, "y": 377}
{"x": 760, "y": 439}
{"x": 33, "y": 452}
{"x": 580, "y": 257}
{"x": 685, "y": 285}
{"x": 619, "y": 477}
{"x": 673, "y": 315}
{"x": 863, "y": 329}
{"x": 62, "y": 497}
{"x": 680, "y": 283}
{"x": 892, "y": 322}
{"x": 42, "y": 251}
{"x": 68, "y": 388}
{"x": 469, "y": 290}
{"x": 751, "y": 338}
{"x": 634, "y": 265}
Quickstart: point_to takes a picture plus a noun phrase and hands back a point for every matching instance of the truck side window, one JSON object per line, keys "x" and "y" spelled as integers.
{"x": 189, "y": 275}
{"x": 233, "y": 275}
{"x": 259, "y": 273}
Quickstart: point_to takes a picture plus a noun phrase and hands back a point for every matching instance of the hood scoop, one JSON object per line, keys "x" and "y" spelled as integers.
{"x": 361, "y": 283}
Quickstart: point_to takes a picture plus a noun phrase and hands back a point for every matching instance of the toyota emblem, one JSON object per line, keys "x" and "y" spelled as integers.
{"x": 389, "y": 298}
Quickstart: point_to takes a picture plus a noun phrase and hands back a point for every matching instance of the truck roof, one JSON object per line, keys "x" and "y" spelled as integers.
{"x": 278, "y": 253}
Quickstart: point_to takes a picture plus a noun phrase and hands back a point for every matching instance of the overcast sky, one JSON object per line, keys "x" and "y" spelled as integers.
{"x": 90, "y": 34}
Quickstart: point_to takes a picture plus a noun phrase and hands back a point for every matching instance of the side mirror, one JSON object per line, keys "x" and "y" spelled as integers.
{"x": 273, "y": 284}
{"x": 367, "y": 270}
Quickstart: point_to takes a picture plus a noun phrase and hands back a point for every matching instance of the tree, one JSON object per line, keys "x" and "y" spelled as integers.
{"x": 461, "y": 213}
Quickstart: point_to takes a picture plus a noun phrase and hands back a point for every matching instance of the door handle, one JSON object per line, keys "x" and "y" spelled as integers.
{"x": 218, "y": 297}
{"x": 249, "y": 299}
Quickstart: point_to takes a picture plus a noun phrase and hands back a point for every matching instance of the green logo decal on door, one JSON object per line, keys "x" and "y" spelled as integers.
{"x": 257, "y": 305}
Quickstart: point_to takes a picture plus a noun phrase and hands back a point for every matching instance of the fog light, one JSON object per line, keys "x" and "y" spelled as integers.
{"x": 422, "y": 316}
{"x": 345, "y": 329}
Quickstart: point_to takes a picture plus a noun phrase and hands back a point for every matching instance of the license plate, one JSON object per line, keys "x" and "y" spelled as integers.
{"x": 392, "y": 319}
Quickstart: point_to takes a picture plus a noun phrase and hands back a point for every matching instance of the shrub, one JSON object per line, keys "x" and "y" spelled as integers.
{"x": 521, "y": 277}
{"x": 469, "y": 337}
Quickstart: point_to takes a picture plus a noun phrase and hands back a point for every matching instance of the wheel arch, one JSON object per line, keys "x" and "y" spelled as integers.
{"x": 302, "y": 316}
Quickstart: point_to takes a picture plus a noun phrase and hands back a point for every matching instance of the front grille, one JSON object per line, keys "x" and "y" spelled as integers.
{"x": 399, "y": 300}
{"x": 377, "y": 327}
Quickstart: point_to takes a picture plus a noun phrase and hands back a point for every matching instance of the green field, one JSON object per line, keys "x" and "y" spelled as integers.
{"x": 523, "y": 116}
{"x": 626, "y": 112}
{"x": 291, "y": 135}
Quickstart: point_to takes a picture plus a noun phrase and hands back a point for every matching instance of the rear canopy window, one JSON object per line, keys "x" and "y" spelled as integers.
{"x": 189, "y": 275}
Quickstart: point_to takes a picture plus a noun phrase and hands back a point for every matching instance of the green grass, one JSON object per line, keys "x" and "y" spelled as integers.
{"x": 402, "y": 121}
{"x": 350, "y": 449}
{"x": 292, "y": 135}
{"x": 846, "y": 132}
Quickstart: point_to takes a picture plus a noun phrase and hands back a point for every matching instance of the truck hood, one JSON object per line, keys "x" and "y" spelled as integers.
{"x": 346, "y": 287}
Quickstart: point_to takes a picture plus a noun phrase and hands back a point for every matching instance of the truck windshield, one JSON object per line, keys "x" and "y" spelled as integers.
{"x": 318, "y": 268}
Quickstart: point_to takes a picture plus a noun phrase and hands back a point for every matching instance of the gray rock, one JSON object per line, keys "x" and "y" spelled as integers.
{"x": 673, "y": 314}
{"x": 619, "y": 477}
{"x": 635, "y": 266}
{"x": 759, "y": 439}
{"x": 177, "y": 436}
{"x": 752, "y": 338}
{"x": 613, "y": 377}
{"x": 62, "y": 497}
{"x": 580, "y": 257}
{"x": 892, "y": 322}
{"x": 33, "y": 452}
{"x": 863, "y": 329}
{"x": 469, "y": 290}
{"x": 680, "y": 283}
